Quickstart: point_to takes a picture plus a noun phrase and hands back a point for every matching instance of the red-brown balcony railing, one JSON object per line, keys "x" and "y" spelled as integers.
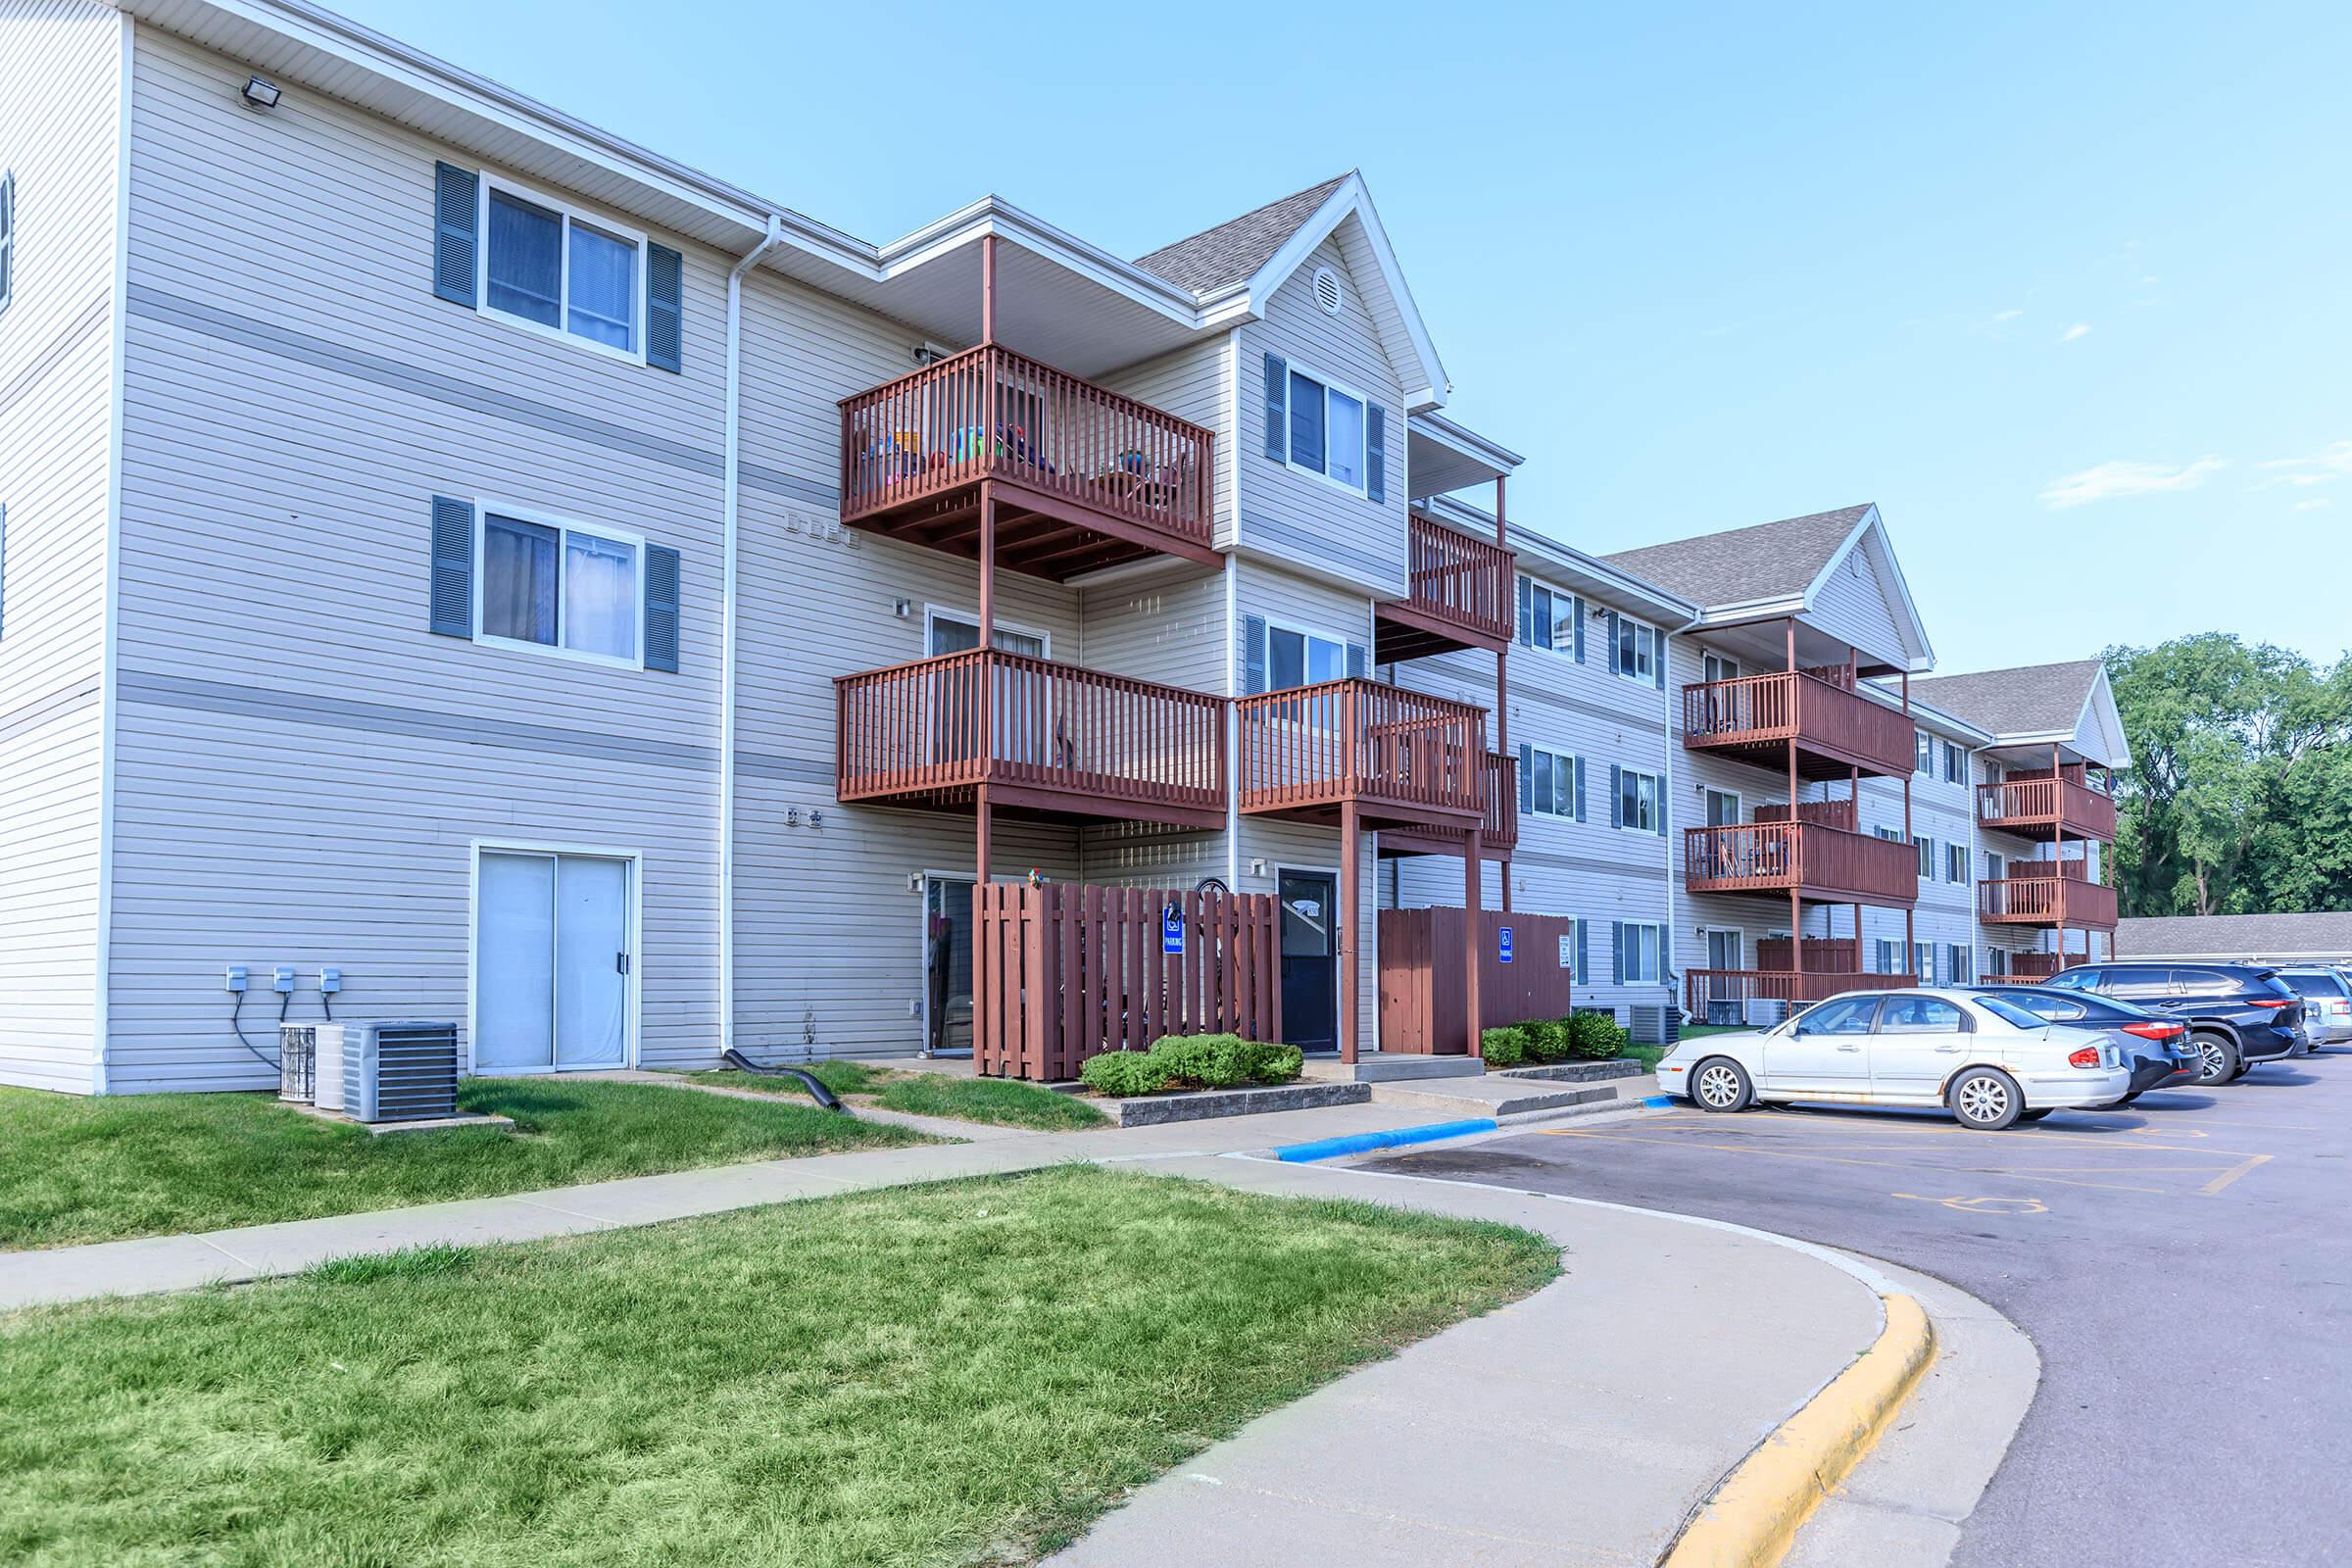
{"x": 1723, "y": 996}
{"x": 2043, "y": 898}
{"x": 1754, "y": 717}
{"x": 2046, "y": 808}
{"x": 1823, "y": 955}
{"x": 1499, "y": 830}
{"x": 1402, "y": 756}
{"x": 1823, "y": 813}
{"x": 1818, "y": 863}
{"x": 1459, "y": 594}
{"x": 2033, "y": 965}
{"x": 1058, "y": 740}
{"x": 1131, "y": 479}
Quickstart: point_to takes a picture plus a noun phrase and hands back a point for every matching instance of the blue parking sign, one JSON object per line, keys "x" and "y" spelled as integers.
{"x": 1171, "y": 930}
{"x": 1502, "y": 943}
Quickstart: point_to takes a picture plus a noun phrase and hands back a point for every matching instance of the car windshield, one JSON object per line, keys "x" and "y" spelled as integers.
{"x": 2010, "y": 1012}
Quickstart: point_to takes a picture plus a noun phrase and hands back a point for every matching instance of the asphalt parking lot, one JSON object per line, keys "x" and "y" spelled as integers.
{"x": 2184, "y": 1269}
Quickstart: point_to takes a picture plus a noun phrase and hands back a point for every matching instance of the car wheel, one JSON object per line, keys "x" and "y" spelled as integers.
{"x": 1985, "y": 1099}
{"x": 1721, "y": 1084}
{"x": 2037, "y": 1116}
{"x": 2217, "y": 1060}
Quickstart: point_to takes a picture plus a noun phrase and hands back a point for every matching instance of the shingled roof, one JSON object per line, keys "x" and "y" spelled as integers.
{"x": 1233, "y": 252}
{"x": 1768, "y": 560}
{"x": 2273, "y": 937}
{"x": 2029, "y": 699}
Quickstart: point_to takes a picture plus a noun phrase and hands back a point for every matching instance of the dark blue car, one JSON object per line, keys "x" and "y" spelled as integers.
{"x": 2237, "y": 1014}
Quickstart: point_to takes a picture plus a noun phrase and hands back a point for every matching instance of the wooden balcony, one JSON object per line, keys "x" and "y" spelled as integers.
{"x": 1460, "y": 595}
{"x": 1821, "y": 813}
{"x": 1498, "y": 832}
{"x": 2030, "y": 895}
{"x": 1821, "y": 864}
{"x": 2044, "y": 808}
{"x": 1754, "y": 719}
{"x": 1059, "y": 742}
{"x": 1823, "y": 955}
{"x": 1724, "y": 995}
{"x": 1402, "y": 756}
{"x": 2031, "y": 966}
{"x": 1084, "y": 479}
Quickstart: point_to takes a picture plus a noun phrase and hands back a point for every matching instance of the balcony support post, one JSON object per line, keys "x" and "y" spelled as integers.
{"x": 1910, "y": 915}
{"x": 987, "y": 737}
{"x": 1503, "y": 689}
{"x": 1473, "y": 936}
{"x": 1350, "y": 842}
{"x": 988, "y": 289}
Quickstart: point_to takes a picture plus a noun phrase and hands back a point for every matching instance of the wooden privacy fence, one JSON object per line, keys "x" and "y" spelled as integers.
{"x": 1065, "y": 971}
{"x": 1422, "y": 1009}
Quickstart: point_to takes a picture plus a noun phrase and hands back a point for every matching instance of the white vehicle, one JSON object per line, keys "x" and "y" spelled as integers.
{"x": 1991, "y": 1063}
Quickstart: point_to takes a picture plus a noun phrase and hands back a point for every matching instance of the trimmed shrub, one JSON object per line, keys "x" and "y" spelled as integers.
{"x": 1546, "y": 1039}
{"x": 1595, "y": 1036}
{"x": 1120, "y": 1073}
{"x": 1502, "y": 1047}
{"x": 1277, "y": 1064}
{"x": 1213, "y": 1061}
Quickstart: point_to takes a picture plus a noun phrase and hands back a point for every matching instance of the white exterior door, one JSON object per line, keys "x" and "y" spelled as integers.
{"x": 552, "y": 958}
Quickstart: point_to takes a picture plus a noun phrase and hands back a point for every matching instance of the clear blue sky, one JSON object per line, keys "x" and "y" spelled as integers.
{"x": 2063, "y": 293}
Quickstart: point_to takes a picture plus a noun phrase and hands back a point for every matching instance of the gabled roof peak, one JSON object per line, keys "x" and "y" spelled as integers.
{"x": 1234, "y": 251}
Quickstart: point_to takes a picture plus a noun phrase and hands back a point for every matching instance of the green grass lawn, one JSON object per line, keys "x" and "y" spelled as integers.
{"x": 1647, "y": 1055}
{"x": 966, "y": 1372}
{"x": 1000, "y": 1100}
{"x": 79, "y": 1170}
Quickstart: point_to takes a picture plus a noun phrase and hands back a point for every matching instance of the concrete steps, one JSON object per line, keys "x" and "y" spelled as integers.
{"x": 1373, "y": 1068}
{"x": 1560, "y": 1088}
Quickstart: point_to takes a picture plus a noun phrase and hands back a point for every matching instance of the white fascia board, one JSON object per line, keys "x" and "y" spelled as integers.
{"x": 1455, "y": 436}
{"x": 2099, "y": 707}
{"x": 1920, "y": 662}
{"x": 1351, "y": 196}
{"x": 992, "y": 216}
{"x": 1587, "y": 574}
{"x": 1935, "y": 716}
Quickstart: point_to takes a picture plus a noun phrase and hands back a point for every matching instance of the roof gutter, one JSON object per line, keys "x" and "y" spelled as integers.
{"x": 732, "y": 504}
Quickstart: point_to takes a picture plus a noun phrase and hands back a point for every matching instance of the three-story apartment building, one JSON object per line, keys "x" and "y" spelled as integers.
{"x": 456, "y": 563}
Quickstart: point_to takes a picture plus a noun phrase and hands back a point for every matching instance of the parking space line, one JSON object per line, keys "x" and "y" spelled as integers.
{"x": 2043, "y": 1136}
{"x": 1839, "y": 1160}
{"x": 2234, "y": 1173}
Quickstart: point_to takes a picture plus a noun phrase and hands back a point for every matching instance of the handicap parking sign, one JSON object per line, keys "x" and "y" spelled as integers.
{"x": 1502, "y": 943}
{"x": 1171, "y": 930}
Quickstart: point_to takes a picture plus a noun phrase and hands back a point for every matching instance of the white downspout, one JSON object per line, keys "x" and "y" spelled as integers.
{"x": 732, "y": 506}
{"x": 1233, "y": 724}
{"x": 1666, "y": 733}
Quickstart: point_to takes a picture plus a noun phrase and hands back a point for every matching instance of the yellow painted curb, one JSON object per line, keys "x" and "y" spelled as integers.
{"x": 1753, "y": 1518}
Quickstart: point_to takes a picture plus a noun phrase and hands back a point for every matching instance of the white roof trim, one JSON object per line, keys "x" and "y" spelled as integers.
{"x": 1565, "y": 562}
{"x": 1351, "y": 197}
{"x": 1455, "y": 436}
{"x": 1870, "y": 521}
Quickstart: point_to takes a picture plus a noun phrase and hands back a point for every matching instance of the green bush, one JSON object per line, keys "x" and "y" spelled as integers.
{"x": 1546, "y": 1039}
{"x": 1205, "y": 1061}
{"x": 1502, "y": 1047}
{"x": 1595, "y": 1036}
{"x": 1120, "y": 1073}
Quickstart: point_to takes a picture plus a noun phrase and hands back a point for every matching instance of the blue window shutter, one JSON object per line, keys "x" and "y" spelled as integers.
{"x": 1661, "y": 788}
{"x": 1580, "y": 789}
{"x": 1583, "y": 973}
{"x": 1526, "y": 611}
{"x": 1580, "y": 631}
{"x": 1278, "y": 407}
{"x": 1376, "y": 454}
{"x": 662, "y": 608}
{"x": 1355, "y": 661}
{"x": 1612, "y": 650}
{"x": 451, "y": 591}
{"x": 1617, "y": 952}
{"x": 457, "y": 221}
{"x": 665, "y": 308}
{"x": 1254, "y": 655}
{"x": 1665, "y": 952}
{"x": 1526, "y": 778}
{"x": 1616, "y": 795}
{"x": 1657, "y": 659}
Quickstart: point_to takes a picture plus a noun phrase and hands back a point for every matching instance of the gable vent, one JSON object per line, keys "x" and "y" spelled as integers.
{"x": 1327, "y": 290}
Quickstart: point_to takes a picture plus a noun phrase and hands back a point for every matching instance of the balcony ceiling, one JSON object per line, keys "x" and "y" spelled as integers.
{"x": 1761, "y": 647}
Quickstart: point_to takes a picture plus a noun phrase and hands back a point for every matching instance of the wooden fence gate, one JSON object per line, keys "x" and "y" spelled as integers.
{"x": 1421, "y": 1001}
{"x": 1065, "y": 971}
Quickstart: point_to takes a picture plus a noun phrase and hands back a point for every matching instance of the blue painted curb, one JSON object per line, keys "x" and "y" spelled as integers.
{"x": 1658, "y": 1102}
{"x": 1362, "y": 1143}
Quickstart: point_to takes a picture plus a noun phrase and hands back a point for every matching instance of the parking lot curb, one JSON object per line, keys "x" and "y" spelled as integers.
{"x": 1752, "y": 1517}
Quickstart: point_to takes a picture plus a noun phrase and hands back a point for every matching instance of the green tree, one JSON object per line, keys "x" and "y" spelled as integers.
{"x": 2239, "y": 799}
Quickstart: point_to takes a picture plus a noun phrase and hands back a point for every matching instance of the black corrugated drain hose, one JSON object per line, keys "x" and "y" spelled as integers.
{"x": 808, "y": 1080}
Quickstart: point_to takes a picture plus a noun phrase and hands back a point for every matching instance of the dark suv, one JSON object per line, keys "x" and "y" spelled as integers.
{"x": 2238, "y": 1014}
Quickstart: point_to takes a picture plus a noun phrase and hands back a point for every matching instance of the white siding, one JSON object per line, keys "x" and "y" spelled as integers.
{"x": 1857, "y": 605}
{"x": 60, "y": 108}
{"x": 302, "y": 768}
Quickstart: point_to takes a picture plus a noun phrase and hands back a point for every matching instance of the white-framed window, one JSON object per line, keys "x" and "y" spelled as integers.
{"x": 1927, "y": 856}
{"x": 1957, "y": 963}
{"x": 1644, "y": 957}
{"x": 1551, "y": 618}
{"x": 1326, "y": 429}
{"x": 551, "y": 585}
{"x": 1555, "y": 783}
{"x": 1955, "y": 862}
{"x": 1893, "y": 835}
{"x": 1295, "y": 656}
{"x": 1886, "y": 957}
{"x": 1923, "y": 962}
{"x": 1639, "y": 649}
{"x": 954, "y": 631}
{"x": 1715, "y": 667}
{"x": 8, "y": 238}
{"x": 1922, "y": 759}
{"x": 1641, "y": 802}
{"x": 1955, "y": 764}
{"x": 553, "y": 270}
{"x": 1996, "y": 866}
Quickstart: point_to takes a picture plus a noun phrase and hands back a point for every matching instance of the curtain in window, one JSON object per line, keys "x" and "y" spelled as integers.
{"x": 600, "y": 585}
{"x": 604, "y": 288}
{"x": 526, "y": 256}
{"x": 518, "y": 580}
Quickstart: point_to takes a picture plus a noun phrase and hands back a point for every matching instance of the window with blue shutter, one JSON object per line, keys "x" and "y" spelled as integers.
{"x": 1358, "y": 658}
{"x": 665, "y": 308}
{"x": 1580, "y": 631}
{"x": 1527, "y": 774}
{"x": 1376, "y": 454}
{"x": 451, "y": 593}
{"x": 661, "y": 585}
{"x": 1616, "y": 795}
{"x": 1617, "y": 952}
{"x": 1278, "y": 418}
{"x": 1580, "y": 789}
{"x": 1582, "y": 974}
{"x": 457, "y": 224}
{"x": 1526, "y": 611}
{"x": 1254, "y": 655}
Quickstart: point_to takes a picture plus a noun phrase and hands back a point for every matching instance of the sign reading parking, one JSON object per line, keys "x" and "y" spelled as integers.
{"x": 1502, "y": 943}
{"x": 1171, "y": 930}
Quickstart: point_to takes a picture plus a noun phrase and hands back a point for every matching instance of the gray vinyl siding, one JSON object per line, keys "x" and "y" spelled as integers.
{"x": 60, "y": 103}
{"x": 1299, "y": 517}
{"x": 1856, "y": 606}
{"x": 1197, "y": 384}
{"x": 290, "y": 733}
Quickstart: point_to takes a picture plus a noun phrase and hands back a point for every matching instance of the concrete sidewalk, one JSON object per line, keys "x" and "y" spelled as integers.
{"x": 1579, "y": 1426}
